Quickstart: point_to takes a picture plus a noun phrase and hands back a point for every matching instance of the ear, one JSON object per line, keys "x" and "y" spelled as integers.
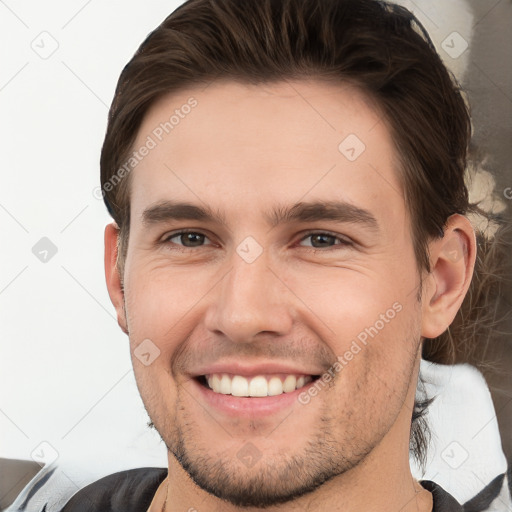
{"x": 452, "y": 260}
{"x": 112, "y": 275}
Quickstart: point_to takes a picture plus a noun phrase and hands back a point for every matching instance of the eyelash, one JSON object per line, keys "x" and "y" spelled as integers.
{"x": 344, "y": 242}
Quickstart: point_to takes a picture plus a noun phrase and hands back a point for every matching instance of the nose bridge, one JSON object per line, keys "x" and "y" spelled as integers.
{"x": 250, "y": 298}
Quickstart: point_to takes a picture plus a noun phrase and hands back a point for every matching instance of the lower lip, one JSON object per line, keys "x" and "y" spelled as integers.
{"x": 241, "y": 406}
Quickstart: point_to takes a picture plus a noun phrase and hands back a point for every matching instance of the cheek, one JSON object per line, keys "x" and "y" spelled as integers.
{"x": 158, "y": 392}
{"x": 160, "y": 305}
{"x": 375, "y": 365}
{"x": 347, "y": 301}
{"x": 371, "y": 321}
{"x": 158, "y": 299}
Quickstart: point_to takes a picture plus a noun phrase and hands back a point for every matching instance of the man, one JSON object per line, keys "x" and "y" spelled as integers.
{"x": 287, "y": 184}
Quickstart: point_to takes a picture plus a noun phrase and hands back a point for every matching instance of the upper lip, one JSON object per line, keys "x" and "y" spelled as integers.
{"x": 248, "y": 369}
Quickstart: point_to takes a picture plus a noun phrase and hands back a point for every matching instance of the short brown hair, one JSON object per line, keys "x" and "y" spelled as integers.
{"x": 379, "y": 47}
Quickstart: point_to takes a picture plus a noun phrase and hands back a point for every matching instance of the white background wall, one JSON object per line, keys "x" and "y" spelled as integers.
{"x": 65, "y": 371}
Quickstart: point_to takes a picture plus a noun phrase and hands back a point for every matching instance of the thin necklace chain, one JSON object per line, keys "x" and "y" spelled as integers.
{"x": 166, "y": 496}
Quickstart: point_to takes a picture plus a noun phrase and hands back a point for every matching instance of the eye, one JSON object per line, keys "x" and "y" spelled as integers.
{"x": 188, "y": 239}
{"x": 320, "y": 240}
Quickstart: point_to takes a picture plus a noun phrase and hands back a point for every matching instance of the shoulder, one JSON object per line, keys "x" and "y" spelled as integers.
{"x": 482, "y": 501}
{"x": 125, "y": 491}
{"x": 443, "y": 502}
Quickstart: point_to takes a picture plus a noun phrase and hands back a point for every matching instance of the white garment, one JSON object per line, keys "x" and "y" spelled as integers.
{"x": 465, "y": 452}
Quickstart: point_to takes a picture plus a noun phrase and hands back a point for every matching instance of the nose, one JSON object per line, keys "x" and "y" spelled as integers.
{"x": 251, "y": 299}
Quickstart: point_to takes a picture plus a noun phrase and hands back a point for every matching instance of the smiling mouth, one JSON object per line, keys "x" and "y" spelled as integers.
{"x": 257, "y": 386}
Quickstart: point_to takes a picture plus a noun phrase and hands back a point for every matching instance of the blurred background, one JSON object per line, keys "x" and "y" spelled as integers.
{"x": 66, "y": 385}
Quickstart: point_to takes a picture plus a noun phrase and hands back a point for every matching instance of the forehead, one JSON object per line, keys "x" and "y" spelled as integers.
{"x": 241, "y": 147}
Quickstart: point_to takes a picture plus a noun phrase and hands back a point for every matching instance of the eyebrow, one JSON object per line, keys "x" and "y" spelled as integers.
{"x": 339, "y": 211}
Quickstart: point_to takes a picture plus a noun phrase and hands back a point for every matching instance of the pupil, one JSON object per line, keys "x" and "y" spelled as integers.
{"x": 190, "y": 238}
{"x": 321, "y": 237}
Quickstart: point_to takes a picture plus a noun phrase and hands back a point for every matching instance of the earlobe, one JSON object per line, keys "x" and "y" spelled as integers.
{"x": 112, "y": 275}
{"x": 452, "y": 262}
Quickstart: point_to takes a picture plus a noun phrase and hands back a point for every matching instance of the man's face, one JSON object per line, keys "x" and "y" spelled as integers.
{"x": 273, "y": 291}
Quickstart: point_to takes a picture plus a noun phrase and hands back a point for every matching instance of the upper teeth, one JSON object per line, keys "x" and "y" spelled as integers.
{"x": 261, "y": 385}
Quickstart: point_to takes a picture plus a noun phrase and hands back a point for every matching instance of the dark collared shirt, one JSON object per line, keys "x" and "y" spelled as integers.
{"x": 134, "y": 489}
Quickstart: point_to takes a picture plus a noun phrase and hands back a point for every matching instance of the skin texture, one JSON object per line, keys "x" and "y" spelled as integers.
{"x": 244, "y": 150}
